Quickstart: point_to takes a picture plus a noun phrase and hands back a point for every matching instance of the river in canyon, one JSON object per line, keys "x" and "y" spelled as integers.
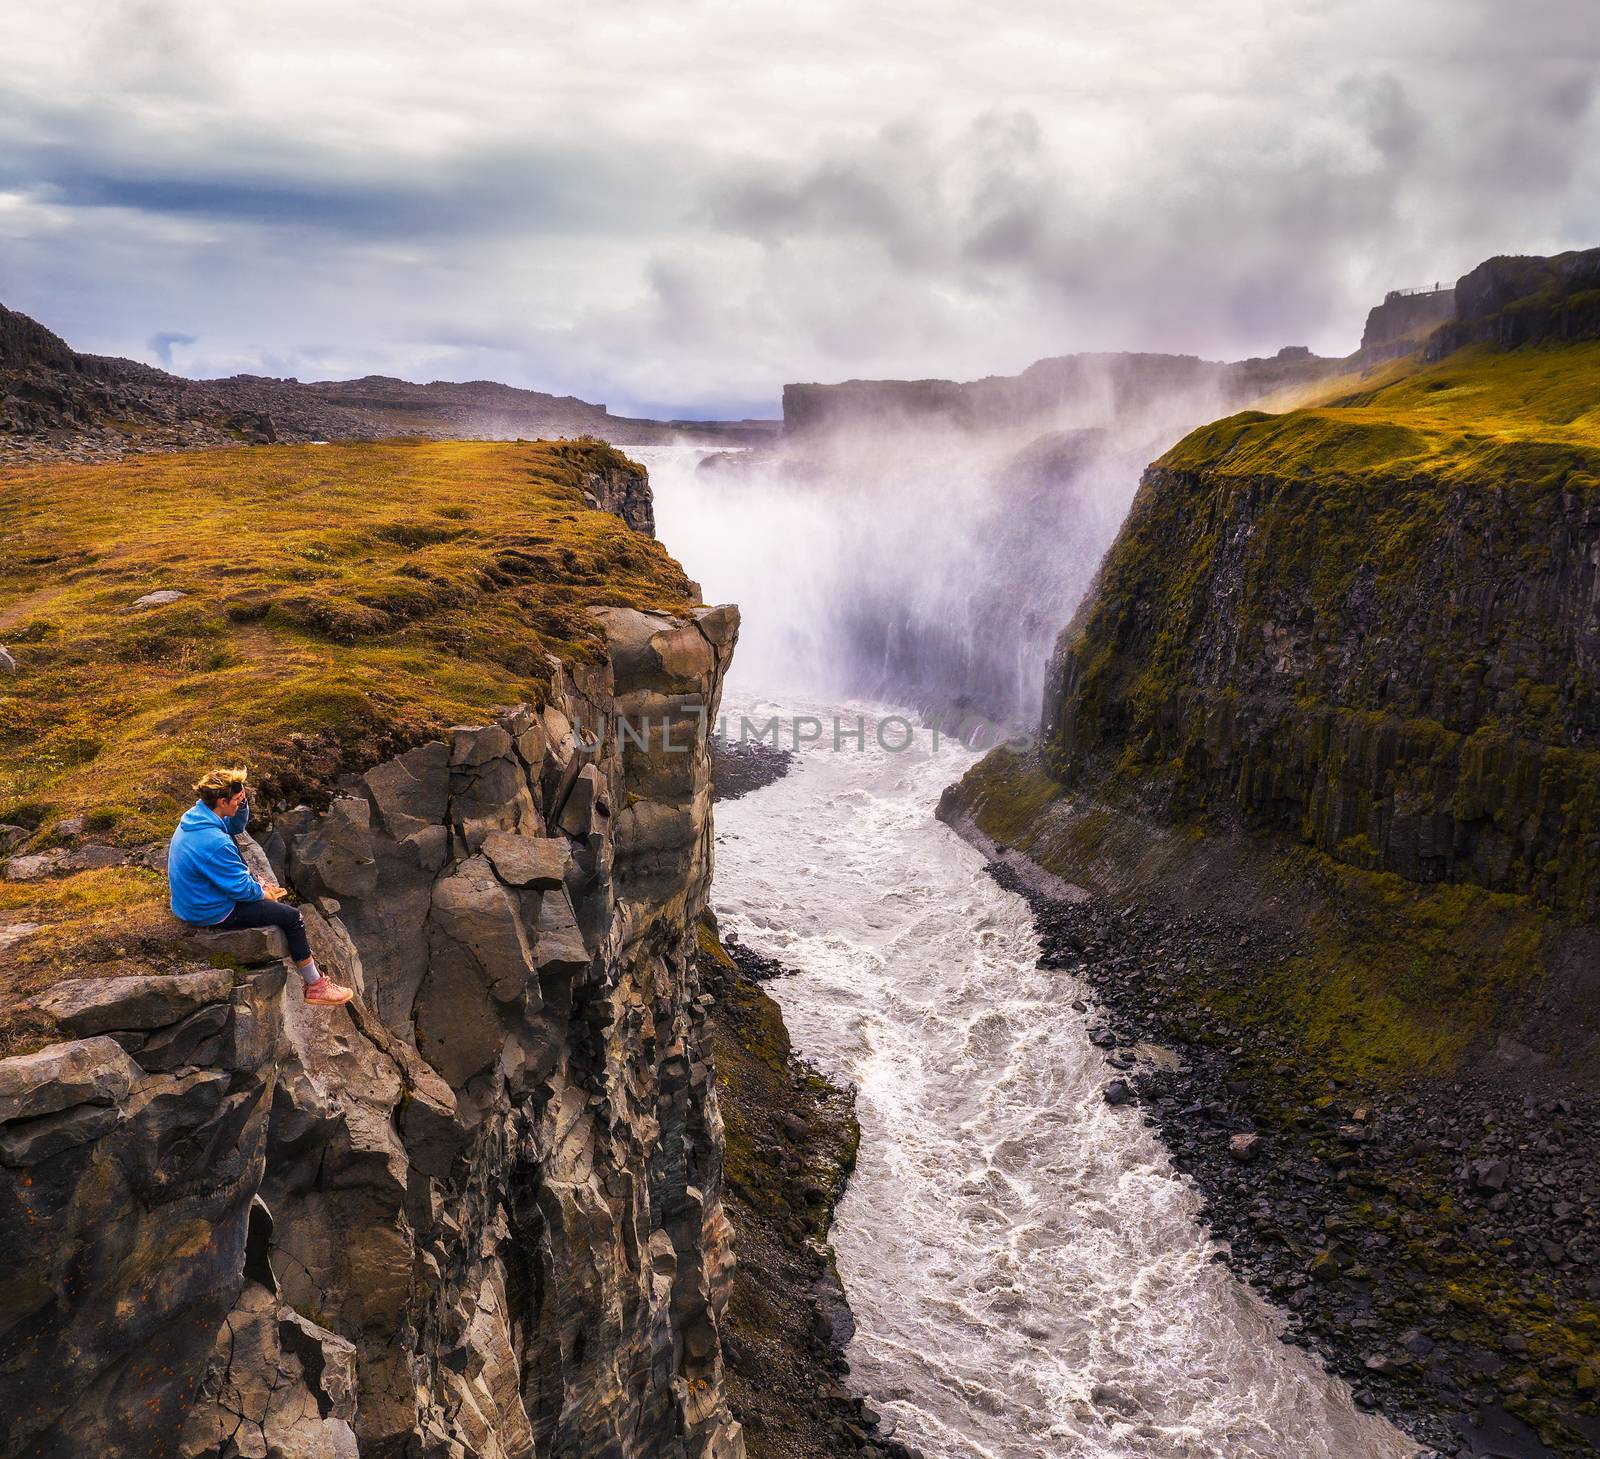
{"x": 1030, "y": 1277}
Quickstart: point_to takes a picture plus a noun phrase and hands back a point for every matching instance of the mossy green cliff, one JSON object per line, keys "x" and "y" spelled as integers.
{"x": 1358, "y": 644}
{"x": 1371, "y": 625}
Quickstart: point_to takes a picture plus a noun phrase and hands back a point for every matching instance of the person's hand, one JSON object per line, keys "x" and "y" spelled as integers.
{"x": 274, "y": 891}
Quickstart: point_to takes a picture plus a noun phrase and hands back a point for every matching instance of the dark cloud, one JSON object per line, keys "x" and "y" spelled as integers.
{"x": 161, "y": 345}
{"x": 697, "y": 212}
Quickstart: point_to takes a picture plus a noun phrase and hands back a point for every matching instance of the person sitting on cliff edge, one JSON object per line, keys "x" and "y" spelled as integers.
{"x": 213, "y": 888}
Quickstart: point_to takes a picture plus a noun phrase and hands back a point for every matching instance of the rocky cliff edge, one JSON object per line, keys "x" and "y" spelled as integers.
{"x": 479, "y": 1211}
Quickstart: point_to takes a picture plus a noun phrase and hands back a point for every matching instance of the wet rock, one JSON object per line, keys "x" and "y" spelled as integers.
{"x": 1117, "y": 1092}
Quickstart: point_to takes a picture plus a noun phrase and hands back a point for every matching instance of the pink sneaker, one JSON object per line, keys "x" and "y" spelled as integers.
{"x": 328, "y": 994}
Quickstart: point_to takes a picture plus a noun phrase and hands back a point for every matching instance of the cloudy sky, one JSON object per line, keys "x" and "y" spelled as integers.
{"x": 674, "y": 206}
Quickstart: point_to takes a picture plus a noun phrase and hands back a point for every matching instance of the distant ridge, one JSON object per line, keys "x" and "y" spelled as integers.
{"x": 56, "y": 403}
{"x": 1038, "y": 394}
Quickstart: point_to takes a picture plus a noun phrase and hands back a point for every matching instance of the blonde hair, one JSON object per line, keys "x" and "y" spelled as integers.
{"x": 219, "y": 784}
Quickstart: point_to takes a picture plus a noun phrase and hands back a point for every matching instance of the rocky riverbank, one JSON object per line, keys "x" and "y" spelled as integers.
{"x": 1435, "y": 1242}
{"x": 740, "y": 766}
{"x": 791, "y": 1146}
{"x": 791, "y": 1140}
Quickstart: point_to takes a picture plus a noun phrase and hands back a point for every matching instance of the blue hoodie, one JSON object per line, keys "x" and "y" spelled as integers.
{"x": 207, "y": 873}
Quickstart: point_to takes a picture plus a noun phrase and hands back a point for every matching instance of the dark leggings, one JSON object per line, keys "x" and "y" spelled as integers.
{"x": 266, "y": 913}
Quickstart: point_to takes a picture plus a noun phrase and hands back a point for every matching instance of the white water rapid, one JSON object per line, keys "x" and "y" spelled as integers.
{"x": 1029, "y": 1275}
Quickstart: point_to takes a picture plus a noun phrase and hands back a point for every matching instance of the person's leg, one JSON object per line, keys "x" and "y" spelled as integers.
{"x": 267, "y": 913}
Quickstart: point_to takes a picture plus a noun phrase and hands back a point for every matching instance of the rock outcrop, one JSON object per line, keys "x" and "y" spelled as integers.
{"x": 620, "y": 487}
{"x": 1415, "y": 692}
{"x": 475, "y": 1213}
{"x": 1399, "y": 325}
{"x": 1507, "y": 302}
{"x": 1374, "y": 626}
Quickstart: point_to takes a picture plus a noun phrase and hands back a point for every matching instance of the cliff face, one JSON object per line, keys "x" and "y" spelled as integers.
{"x": 1398, "y": 325}
{"x": 478, "y": 1213}
{"x": 1375, "y": 626}
{"x": 1404, "y": 677}
{"x": 1508, "y": 302}
{"x": 1086, "y": 389}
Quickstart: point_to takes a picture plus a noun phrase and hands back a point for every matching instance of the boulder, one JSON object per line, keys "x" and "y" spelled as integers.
{"x": 411, "y": 793}
{"x": 30, "y": 1142}
{"x": 472, "y": 910}
{"x": 159, "y": 599}
{"x": 1490, "y": 1175}
{"x": 196, "y": 1040}
{"x": 719, "y": 624}
{"x": 536, "y": 862}
{"x": 489, "y": 788}
{"x": 335, "y": 857}
{"x": 63, "y": 861}
{"x": 279, "y": 1385}
{"x": 14, "y": 932}
{"x": 1117, "y": 1092}
{"x": 584, "y": 801}
{"x": 87, "y": 1006}
{"x": 1244, "y": 1148}
{"x": 8, "y": 665}
{"x": 560, "y": 943}
{"x": 249, "y": 947}
{"x": 84, "y": 1071}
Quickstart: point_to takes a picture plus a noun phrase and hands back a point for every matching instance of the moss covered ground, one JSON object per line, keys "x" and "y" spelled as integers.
{"x": 340, "y": 602}
{"x": 1480, "y": 414}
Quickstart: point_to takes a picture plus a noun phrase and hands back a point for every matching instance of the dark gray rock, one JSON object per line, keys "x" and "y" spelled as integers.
{"x": 412, "y": 793}
{"x": 539, "y": 863}
{"x": 335, "y": 857}
{"x": 85, "y": 1006}
{"x": 83, "y": 1071}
